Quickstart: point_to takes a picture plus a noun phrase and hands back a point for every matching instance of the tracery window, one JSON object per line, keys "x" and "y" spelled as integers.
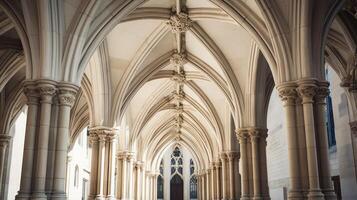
{"x": 176, "y": 162}
{"x": 160, "y": 182}
{"x": 193, "y": 181}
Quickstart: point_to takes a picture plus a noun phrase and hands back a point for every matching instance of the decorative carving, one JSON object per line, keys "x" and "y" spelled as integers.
{"x": 179, "y": 78}
{"x": 179, "y": 23}
{"x": 67, "y": 99}
{"x": 31, "y": 92}
{"x": 4, "y": 140}
{"x": 242, "y": 135}
{"x": 178, "y": 59}
{"x": 47, "y": 92}
{"x": 288, "y": 94}
{"x": 307, "y": 92}
{"x": 321, "y": 94}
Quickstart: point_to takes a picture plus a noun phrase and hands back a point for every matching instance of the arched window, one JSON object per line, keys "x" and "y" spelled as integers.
{"x": 176, "y": 162}
{"x": 160, "y": 182}
{"x": 76, "y": 176}
{"x": 193, "y": 181}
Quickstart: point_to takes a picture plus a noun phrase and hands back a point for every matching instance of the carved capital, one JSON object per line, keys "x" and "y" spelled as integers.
{"x": 102, "y": 134}
{"x": 242, "y": 135}
{"x": 31, "y": 92}
{"x": 322, "y": 91}
{"x": 67, "y": 94}
{"x": 287, "y": 93}
{"x": 231, "y": 155}
{"x": 307, "y": 90}
{"x": 179, "y": 23}
{"x": 47, "y": 90}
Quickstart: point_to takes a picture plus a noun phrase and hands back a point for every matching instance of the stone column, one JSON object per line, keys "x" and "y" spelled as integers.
{"x": 263, "y": 163}
{"x": 66, "y": 96}
{"x": 353, "y": 126}
{"x": 154, "y": 182}
{"x": 307, "y": 91}
{"x": 232, "y": 184}
{"x": 4, "y": 143}
{"x": 242, "y": 136}
{"x": 103, "y": 143}
{"x": 224, "y": 176}
{"x": 213, "y": 182}
{"x": 218, "y": 180}
{"x": 111, "y": 171}
{"x": 208, "y": 182}
{"x": 130, "y": 160}
{"x": 287, "y": 93}
{"x": 32, "y": 95}
{"x": 47, "y": 90}
{"x": 320, "y": 116}
{"x": 122, "y": 182}
{"x": 254, "y": 137}
{"x": 139, "y": 184}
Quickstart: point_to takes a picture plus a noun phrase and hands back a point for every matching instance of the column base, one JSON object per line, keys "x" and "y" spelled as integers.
{"x": 110, "y": 198}
{"x": 245, "y": 197}
{"x": 315, "y": 195}
{"x": 39, "y": 196}
{"x": 100, "y": 197}
{"x": 58, "y": 196}
{"x": 295, "y": 195}
{"x": 23, "y": 196}
{"x": 257, "y": 198}
{"x": 329, "y": 194}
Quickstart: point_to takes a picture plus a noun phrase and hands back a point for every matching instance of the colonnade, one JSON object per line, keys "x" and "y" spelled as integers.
{"x": 304, "y": 105}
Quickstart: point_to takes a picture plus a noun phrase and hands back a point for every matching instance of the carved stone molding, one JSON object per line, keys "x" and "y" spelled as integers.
{"x": 307, "y": 90}
{"x": 179, "y": 23}
{"x": 287, "y": 93}
{"x": 231, "y": 155}
{"x": 178, "y": 59}
{"x": 47, "y": 90}
{"x": 31, "y": 92}
{"x": 67, "y": 93}
{"x": 103, "y": 134}
{"x": 322, "y": 91}
{"x": 242, "y": 135}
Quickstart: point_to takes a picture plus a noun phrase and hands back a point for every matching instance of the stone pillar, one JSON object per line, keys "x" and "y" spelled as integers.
{"x": 212, "y": 184}
{"x": 102, "y": 150}
{"x": 254, "y": 138}
{"x": 32, "y": 95}
{"x": 287, "y": 93}
{"x": 4, "y": 143}
{"x": 130, "y": 160}
{"x": 47, "y": 90}
{"x": 139, "y": 185}
{"x": 67, "y": 96}
{"x": 353, "y": 126}
{"x": 111, "y": 171}
{"x": 320, "y": 116}
{"x": 307, "y": 91}
{"x": 224, "y": 176}
{"x": 232, "y": 184}
{"x": 242, "y": 135}
{"x": 218, "y": 181}
{"x": 208, "y": 193}
{"x": 263, "y": 164}
{"x": 122, "y": 175}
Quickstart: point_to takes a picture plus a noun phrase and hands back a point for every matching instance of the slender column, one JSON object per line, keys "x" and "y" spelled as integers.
{"x": 231, "y": 183}
{"x": 307, "y": 90}
{"x": 111, "y": 178}
{"x": 154, "y": 182}
{"x": 94, "y": 140}
{"x": 101, "y": 163}
{"x": 263, "y": 163}
{"x": 242, "y": 135}
{"x": 218, "y": 181}
{"x": 138, "y": 187}
{"x": 304, "y": 174}
{"x": 148, "y": 185}
{"x": 353, "y": 126}
{"x": 130, "y": 159}
{"x": 47, "y": 91}
{"x": 212, "y": 182}
{"x": 224, "y": 178}
{"x": 29, "y": 147}
{"x": 203, "y": 185}
{"x": 4, "y": 143}
{"x": 67, "y": 95}
{"x": 121, "y": 175}
{"x": 254, "y": 137}
{"x": 288, "y": 95}
{"x": 208, "y": 184}
{"x": 320, "y": 116}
